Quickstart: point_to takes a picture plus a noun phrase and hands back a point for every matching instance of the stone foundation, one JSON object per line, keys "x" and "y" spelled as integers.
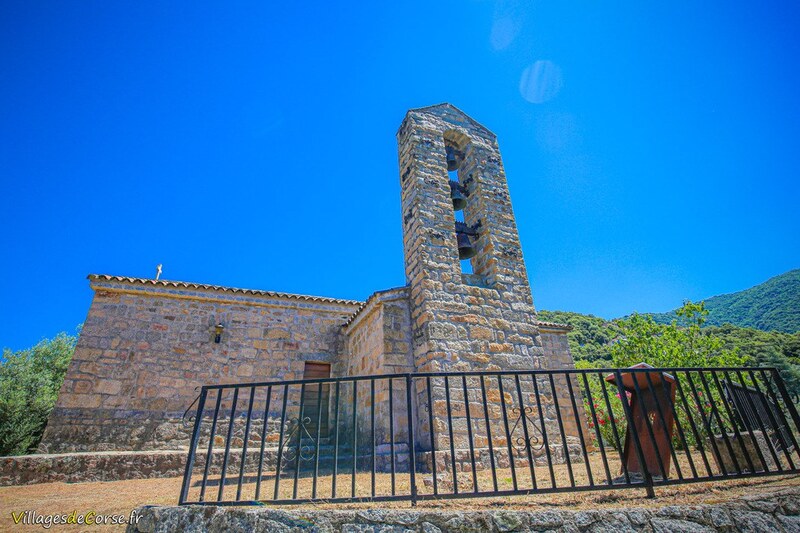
{"x": 95, "y": 466}
{"x": 779, "y": 512}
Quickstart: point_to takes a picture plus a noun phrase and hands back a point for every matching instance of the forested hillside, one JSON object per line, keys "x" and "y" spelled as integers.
{"x": 592, "y": 339}
{"x": 770, "y": 306}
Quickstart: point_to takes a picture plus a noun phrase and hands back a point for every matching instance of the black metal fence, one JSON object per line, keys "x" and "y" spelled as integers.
{"x": 471, "y": 434}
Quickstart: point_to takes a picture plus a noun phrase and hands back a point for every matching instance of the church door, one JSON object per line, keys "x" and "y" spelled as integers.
{"x": 316, "y": 404}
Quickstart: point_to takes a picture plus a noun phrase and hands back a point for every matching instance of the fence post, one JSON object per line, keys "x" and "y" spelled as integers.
{"x": 787, "y": 399}
{"x": 623, "y": 397}
{"x": 187, "y": 473}
{"x": 412, "y": 460}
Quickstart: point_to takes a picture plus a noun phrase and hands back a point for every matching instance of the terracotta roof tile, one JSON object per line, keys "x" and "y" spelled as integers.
{"x": 371, "y": 299}
{"x": 203, "y": 286}
{"x": 554, "y": 325}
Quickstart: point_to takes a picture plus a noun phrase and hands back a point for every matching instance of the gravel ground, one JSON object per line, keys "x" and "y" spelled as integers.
{"x": 120, "y": 497}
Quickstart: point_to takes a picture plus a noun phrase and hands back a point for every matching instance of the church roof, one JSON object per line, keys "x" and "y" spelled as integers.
{"x": 553, "y": 325}
{"x": 452, "y": 108}
{"x": 203, "y": 286}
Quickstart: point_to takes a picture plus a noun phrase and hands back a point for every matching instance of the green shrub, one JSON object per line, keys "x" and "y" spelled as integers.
{"x": 29, "y": 384}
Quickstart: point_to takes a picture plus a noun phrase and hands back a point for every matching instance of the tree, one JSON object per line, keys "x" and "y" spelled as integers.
{"x": 29, "y": 383}
{"x": 643, "y": 340}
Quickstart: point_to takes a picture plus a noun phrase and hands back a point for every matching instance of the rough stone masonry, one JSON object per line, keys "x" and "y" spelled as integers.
{"x": 147, "y": 345}
{"x": 778, "y": 512}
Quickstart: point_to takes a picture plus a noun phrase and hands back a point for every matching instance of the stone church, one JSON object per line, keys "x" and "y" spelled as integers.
{"x": 147, "y": 345}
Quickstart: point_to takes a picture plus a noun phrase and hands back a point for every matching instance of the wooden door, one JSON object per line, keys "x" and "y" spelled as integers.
{"x": 316, "y": 401}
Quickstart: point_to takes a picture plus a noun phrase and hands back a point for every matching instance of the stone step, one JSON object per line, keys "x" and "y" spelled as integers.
{"x": 90, "y": 466}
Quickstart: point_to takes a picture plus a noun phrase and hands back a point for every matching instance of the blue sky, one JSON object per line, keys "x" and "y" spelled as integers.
{"x": 651, "y": 150}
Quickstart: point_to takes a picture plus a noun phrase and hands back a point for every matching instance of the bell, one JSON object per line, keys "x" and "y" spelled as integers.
{"x": 457, "y": 195}
{"x": 465, "y": 248}
{"x": 452, "y": 161}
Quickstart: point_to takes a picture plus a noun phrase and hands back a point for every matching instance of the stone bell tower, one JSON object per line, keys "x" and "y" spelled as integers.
{"x": 462, "y": 320}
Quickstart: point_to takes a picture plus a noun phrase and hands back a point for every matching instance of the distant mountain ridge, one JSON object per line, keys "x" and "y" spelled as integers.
{"x": 770, "y": 306}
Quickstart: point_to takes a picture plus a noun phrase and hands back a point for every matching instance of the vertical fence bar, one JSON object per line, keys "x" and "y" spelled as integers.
{"x": 187, "y": 473}
{"x": 590, "y": 401}
{"x": 579, "y": 427}
{"x": 508, "y": 433}
{"x": 209, "y": 452}
{"x": 298, "y": 455}
{"x": 697, "y": 433}
{"x": 469, "y": 433}
{"x": 281, "y": 444}
{"x": 698, "y": 437}
{"x": 317, "y": 439}
{"x": 681, "y": 433}
{"x": 772, "y": 420}
{"x": 787, "y": 402}
{"x": 450, "y": 431}
{"x": 372, "y": 429}
{"x": 544, "y": 431}
{"x": 787, "y": 398}
{"x": 263, "y": 442}
{"x": 663, "y": 420}
{"x": 525, "y": 434}
{"x": 244, "y": 443}
{"x": 228, "y": 444}
{"x": 433, "y": 439}
{"x": 749, "y": 427}
{"x": 649, "y": 427}
{"x": 412, "y": 461}
{"x": 723, "y": 430}
{"x": 561, "y": 430}
{"x": 783, "y": 420}
{"x": 739, "y": 438}
{"x": 706, "y": 423}
{"x": 648, "y": 479}
{"x": 614, "y": 428}
{"x": 391, "y": 434}
{"x": 488, "y": 433}
{"x": 335, "y": 441}
{"x": 355, "y": 439}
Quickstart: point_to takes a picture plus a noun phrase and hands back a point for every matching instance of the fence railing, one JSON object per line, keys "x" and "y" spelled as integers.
{"x": 471, "y": 434}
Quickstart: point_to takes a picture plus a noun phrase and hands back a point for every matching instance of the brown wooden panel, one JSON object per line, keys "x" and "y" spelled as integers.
{"x": 312, "y": 407}
{"x": 317, "y": 371}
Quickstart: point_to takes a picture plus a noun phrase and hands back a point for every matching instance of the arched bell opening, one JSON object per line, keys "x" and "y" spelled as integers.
{"x": 455, "y": 152}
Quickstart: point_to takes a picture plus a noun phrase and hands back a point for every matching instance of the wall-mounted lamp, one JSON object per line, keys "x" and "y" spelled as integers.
{"x": 218, "y": 332}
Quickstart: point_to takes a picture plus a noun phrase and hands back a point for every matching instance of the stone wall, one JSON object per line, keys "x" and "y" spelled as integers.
{"x": 479, "y": 322}
{"x": 93, "y": 466}
{"x": 779, "y": 512}
{"x": 377, "y": 340}
{"x": 457, "y": 326}
{"x": 555, "y": 345}
{"x": 147, "y": 346}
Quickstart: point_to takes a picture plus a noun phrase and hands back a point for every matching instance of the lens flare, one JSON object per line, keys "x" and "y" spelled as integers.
{"x": 504, "y": 31}
{"x": 541, "y": 82}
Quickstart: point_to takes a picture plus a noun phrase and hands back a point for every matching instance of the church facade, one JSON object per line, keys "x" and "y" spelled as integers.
{"x": 148, "y": 345}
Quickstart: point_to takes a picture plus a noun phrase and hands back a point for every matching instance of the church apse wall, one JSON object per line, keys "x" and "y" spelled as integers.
{"x": 147, "y": 345}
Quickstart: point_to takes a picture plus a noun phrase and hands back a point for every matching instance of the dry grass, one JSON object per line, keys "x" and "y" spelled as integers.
{"x": 116, "y": 497}
{"x": 560, "y": 478}
{"x": 120, "y": 497}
